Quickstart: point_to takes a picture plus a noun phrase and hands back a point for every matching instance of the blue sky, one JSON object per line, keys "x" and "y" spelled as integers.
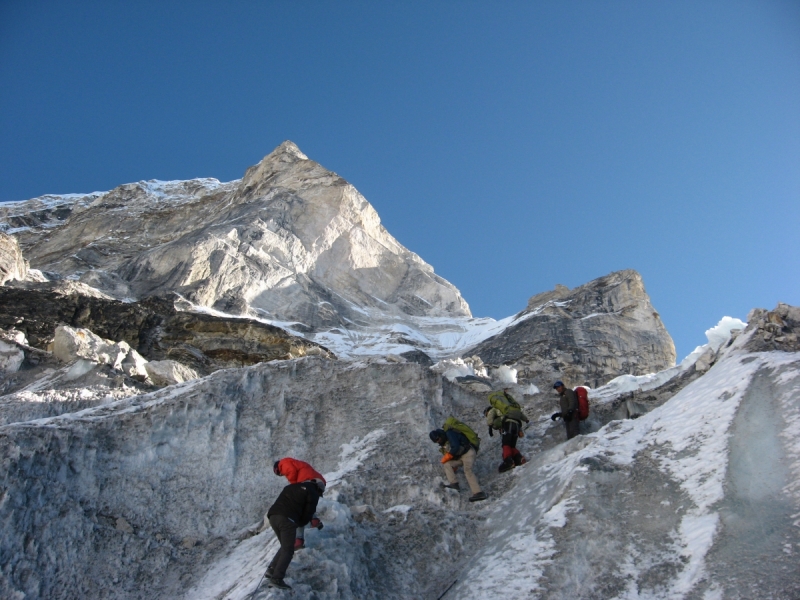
{"x": 512, "y": 145}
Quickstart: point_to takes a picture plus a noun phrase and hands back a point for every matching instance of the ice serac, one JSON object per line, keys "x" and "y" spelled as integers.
{"x": 290, "y": 241}
{"x": 587, "y": 335}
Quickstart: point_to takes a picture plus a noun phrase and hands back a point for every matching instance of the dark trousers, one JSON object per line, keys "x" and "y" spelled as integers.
{"x": 572, "y": 426}
{"x": 510, "y": 433}
{"x": 511, "y": 456}
{"x": 285, "y": 530}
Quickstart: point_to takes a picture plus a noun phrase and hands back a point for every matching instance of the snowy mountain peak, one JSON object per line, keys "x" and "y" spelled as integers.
{"x": 282, "y": 159}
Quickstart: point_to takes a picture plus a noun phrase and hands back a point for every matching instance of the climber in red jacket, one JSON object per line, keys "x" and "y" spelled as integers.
{"x": 298, "y": 471}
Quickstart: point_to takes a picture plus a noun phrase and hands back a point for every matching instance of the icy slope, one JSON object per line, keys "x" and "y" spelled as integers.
{"x": 697, "y": 499}
{"x": 162, "y": 495}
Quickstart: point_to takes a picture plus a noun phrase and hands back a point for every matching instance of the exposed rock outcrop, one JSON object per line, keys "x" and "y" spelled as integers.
{"x": 71, "y": 344}
{"x": 168, "y": 372}
{"x": 153, "y": 327}
{"x": 777, "y": 329}
{"x": 588, "y": 335}
{"x": 12, "y": 264}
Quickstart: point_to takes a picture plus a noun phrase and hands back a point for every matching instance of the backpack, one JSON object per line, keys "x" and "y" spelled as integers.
{"x": 472, "y": 437}
{"x": 508, "y": 407}
{"x": 583, "y": 402}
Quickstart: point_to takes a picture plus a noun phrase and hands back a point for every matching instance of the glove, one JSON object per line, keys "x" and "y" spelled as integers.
{"x": 555, "y": 416}
{"x": 491, "y": 434}
{"x": 316, "y": 523}
{"x": 447, "y": 458}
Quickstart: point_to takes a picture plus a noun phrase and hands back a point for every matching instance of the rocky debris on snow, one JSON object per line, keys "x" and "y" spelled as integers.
{"x": 588, "y": 335}
{"x": 11, "y": 357}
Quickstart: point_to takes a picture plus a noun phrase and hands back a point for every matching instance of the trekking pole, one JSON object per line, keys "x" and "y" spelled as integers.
{"x": 260, "y": 581}
{"x": 447, "y": 590}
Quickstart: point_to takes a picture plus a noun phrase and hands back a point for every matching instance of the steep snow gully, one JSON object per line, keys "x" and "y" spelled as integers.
{"x": 163, "y": 495}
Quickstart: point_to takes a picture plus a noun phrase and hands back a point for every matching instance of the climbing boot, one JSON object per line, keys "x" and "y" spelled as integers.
{"x": 506, "y": 465}
{"x": 452, "y": 486}
{"x": 279, "y": 583}
{"x": 478, "y": 497}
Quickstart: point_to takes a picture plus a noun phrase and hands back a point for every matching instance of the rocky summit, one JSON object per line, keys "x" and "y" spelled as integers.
{"x": 290, "y": 241}
{"x": 162, "y": 344}
{"x": 588, "y": 335}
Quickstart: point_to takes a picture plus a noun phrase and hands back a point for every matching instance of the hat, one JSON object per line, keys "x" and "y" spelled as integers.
{"x": 437, "y": 434}
{"x": 320, "y": 485}
{"x": 558, "y": 384}
{"x": 275, "y": 468}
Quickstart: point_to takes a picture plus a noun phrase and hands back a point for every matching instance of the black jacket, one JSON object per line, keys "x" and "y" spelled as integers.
{"x": 298, "y": 502}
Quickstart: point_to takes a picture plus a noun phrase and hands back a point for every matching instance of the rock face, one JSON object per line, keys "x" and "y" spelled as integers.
{"x": 12, "y": 265}
{"x": 290, "y": 241}
{"x": 777, "y": 329}
{"x": 154, "y": 328}
{"x": 588, "y": 335}
{"x": 71, "y": 344}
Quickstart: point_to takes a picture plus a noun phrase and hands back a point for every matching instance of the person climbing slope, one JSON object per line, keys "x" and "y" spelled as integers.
{"x": 298, "y": 471}
{"x": 569, "y": 409}
{"x": 505, "y": 415}
{"x": 458, "y": 451}
{"x": 294, "y": 507}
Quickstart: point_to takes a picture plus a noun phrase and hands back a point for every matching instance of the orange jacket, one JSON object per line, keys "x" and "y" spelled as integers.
{"x": 297, "y": 471}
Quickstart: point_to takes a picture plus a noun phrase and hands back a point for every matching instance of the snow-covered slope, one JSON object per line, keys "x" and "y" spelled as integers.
{"x": 698, "y": 498}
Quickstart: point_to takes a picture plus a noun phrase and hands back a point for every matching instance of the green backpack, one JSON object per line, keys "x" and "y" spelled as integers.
{"x": 508, "y": 407}
{"x": 453, "y": 423}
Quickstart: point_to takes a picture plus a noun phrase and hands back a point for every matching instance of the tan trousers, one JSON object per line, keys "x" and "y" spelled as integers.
{"x": 466, "y": 460}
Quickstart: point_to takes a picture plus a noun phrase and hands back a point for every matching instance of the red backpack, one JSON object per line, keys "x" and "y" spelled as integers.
{"x": 583, "y": 402}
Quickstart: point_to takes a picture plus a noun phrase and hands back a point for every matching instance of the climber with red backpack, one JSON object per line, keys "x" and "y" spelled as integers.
{"x": 505, "y": 414}
{"x": 574, "y": 407}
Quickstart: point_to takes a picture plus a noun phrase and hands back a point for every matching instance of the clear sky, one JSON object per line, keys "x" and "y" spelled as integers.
{"x": 512, "y": 145}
